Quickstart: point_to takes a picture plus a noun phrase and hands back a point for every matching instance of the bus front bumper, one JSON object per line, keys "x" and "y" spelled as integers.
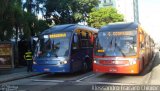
{"x": 130, "y": 69}
{"x": 51, "y": 68}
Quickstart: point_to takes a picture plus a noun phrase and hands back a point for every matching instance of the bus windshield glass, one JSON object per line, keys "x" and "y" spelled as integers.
{"x": 118, "y": 43}
{"x": 54, "y": 45}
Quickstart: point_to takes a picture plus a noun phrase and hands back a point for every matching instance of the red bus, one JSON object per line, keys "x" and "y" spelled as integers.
{"x": 122, "y": 48}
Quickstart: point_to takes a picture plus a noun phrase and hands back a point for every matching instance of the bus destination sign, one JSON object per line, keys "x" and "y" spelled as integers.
{"x": 59, "y": 35}
{"x": 124, "y": 33}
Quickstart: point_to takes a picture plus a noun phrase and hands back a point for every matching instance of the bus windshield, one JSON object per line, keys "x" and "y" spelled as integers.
{"x": 119, "y": 43}
{"x": 54, "y": 45}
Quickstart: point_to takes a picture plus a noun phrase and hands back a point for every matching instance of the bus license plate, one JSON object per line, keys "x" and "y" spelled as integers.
{"x": 113, "y": 70}
{"x": 46, "y": 69}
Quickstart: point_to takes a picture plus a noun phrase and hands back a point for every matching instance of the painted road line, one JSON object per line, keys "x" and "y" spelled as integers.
{"x": 48, "y": 80}
{"x": 85, "y": 77}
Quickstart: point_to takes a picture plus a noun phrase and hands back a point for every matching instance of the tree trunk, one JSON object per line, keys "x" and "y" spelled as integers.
{"x": 29, "y": 6}
{"x": 16, "y": 47}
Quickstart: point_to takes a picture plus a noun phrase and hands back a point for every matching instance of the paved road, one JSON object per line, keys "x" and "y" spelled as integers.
{"x": 85, "y": 81}
{"x": 155, "y": 73}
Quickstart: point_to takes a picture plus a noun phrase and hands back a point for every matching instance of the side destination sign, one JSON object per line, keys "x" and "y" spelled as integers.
{"x": 59, "y": 35}
{"x": 120, "y": 33}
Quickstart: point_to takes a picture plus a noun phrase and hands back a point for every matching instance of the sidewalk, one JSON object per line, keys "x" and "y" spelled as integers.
{"x": 16, "y": 73}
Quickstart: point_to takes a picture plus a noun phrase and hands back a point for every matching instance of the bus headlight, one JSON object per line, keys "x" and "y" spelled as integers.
{"x": 133, "y": 61}
{"x": 94, "y": 60}
{"x": 34, "y": 62}
{"x": 63, "y": 62}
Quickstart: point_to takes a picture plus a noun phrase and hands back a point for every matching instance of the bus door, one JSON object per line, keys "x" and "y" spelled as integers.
{"x": 75, "y": 53}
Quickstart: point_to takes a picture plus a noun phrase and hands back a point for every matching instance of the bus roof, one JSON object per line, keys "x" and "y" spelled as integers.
{"x": 67, "y": 28}
{"x": 120, "y": 27}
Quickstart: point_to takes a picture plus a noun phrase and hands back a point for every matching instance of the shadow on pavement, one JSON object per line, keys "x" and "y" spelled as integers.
{"x": 67, "y": 76}
{"x": 148, "y": 68}
{"x": 13, "y": 70}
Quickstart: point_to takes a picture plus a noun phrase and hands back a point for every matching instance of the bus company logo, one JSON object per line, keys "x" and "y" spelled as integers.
{"x": 48, "y": 55}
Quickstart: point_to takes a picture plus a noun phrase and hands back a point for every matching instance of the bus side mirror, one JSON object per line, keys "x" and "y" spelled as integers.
{"x": 75, "y": 38}
{"x": 75, "y": 41}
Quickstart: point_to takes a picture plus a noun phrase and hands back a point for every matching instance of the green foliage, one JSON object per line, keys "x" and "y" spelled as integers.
{"x": 103, "y": 16}
{"x": 33, "y": 26}
{"x": 14, "y": 21}
{"x": 68, "y": 11}
{"x": 40, "y": 26}
{"x": 9, "y": 17}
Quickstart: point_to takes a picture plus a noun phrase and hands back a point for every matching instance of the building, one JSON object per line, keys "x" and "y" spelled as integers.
{"x": 136, "y": 10}
{"x": 129, "y": 8}
{"x": 125, "y": 7}
{"x": 106, "y": 3}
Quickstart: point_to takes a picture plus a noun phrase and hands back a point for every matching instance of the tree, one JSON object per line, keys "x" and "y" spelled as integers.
{"x": 40, "y": 26}
{"x": 68, "y": 11}
{"x": 31, "y": 9}
{"x": 10, "y": 18}
{"x": 103, "y": 16}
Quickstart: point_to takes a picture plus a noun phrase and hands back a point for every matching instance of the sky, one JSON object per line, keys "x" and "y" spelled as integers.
{"x": 149, "y": 14}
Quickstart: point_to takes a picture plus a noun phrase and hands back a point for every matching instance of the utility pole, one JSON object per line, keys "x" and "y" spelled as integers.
{"x": 136, "y": 11}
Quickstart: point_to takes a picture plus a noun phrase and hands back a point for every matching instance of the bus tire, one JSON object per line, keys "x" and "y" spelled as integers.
{"x": 143, "y": 65}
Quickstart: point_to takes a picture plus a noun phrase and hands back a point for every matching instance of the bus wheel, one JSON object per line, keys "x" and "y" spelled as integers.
{"x": 142, "y": 68}
{"x": 85, "y": 67}
{"x": 141, "y": 73}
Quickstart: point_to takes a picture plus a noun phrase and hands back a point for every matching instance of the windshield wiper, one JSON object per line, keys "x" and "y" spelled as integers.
{"x": 111, "y": 42}
{"x": 119, "y": 49}
{"x": 55, "y": 55}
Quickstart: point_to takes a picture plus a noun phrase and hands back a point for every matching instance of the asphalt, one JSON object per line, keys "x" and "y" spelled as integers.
{"x": 7, "y": 75}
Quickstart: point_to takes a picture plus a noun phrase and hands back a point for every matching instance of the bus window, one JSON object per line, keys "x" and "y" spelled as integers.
{"x": 75, "y": 38}
{"x": 54, "y": 46}
{"x": 75, "y": 43}
{"x": 142, "y": 42}
{"x": 116, "y": 45}
{"x": 87, "y": 35}
{"x": 142, "y": 45}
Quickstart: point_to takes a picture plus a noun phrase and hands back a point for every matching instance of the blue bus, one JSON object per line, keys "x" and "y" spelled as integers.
{"x": 65, "y": 48}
